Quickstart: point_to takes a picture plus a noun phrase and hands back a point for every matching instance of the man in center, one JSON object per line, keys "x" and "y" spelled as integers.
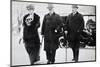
{"x": 51, "y": 25}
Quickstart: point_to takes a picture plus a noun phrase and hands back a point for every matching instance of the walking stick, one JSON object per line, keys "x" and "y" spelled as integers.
{"x": 42, "y": 40}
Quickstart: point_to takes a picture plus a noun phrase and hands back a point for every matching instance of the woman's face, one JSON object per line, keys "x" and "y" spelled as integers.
{"x": 31, "y": 11}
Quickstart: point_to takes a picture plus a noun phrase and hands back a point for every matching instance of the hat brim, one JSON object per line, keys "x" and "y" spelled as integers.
{"x": 74, "y": 7}
{"x": 50, "y": 7}
{"x": 30, "y": 7}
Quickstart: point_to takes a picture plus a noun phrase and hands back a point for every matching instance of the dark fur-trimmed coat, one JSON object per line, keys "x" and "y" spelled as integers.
{"x": 30, "y": 33}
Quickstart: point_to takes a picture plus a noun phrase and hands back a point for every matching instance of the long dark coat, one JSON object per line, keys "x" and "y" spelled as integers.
{"x": 30, "y": 34}
{"x": 50, "y": 24}
{"x": 74, "y": 25}
{"x": 31, "y": 37}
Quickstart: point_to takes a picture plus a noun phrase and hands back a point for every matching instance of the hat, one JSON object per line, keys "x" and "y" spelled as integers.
{"x": 50, "y": 6}
{"x": 74, "y": 6}
{"x": 30, "y": 7}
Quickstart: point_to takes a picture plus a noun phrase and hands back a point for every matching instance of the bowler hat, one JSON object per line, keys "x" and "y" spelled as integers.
{"x": 50, "y": 6}
{"x": 74, "y": 6}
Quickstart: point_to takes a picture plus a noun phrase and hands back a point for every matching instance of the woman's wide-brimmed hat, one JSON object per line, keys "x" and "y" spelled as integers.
{"x": 30, "y": 7}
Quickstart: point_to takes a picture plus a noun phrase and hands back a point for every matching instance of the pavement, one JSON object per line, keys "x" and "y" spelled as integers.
{"x": 20, "y": 56}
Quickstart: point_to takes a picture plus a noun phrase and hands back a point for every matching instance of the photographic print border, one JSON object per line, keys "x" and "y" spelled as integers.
{"x": 43, "y": 2}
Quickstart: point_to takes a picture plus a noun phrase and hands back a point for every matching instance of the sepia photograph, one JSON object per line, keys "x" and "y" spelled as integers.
{"x": 44, "y": 33}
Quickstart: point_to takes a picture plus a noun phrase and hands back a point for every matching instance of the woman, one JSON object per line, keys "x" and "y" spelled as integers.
{"x": 30, "y": 34}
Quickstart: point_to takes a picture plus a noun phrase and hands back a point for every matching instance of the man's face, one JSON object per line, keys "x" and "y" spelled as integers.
{"x": 50, "y": 9}
{"x": 74, "y": 10}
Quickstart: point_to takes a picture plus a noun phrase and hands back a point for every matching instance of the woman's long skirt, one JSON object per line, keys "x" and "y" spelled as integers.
{"x": 33, "y": 51}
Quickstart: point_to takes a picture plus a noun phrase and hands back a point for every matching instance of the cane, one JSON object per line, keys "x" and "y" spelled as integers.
{"x": 42, "y": 40}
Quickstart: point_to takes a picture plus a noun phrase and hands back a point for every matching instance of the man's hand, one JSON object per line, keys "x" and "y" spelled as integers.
{"x": 55, "y": 31}
{"x": 66, "y": 32}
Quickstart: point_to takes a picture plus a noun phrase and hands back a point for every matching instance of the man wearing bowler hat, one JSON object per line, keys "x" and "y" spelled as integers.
{"x": 74, "y": 26}
{"x": 51, "y": 25}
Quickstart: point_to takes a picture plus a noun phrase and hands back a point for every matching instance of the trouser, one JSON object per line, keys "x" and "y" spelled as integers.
{"x": 33, "y": 54}
{"x": 75, "y": 50}
{"x": 75, "y": 53}
{"x": 51, "y": 55}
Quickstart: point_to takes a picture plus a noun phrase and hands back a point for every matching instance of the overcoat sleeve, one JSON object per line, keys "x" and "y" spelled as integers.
{"x": 59, "y": 23}
{"x": 38, "y": 22}
{"x": 82, "y": 24}
{"x": 43, "y": 26}
{"x": 24, "y": 20}
{"x": 66, "y": 27}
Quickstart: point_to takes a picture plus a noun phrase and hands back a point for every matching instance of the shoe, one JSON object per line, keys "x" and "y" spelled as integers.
{"x": 32, "y": 63}
{"x": 37, "y": 59}
{"x": 48, "y": 62}
{"x": 52, "y": 62}
{"x": 73, "y": 59}
{"x": 76, "y": 60}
